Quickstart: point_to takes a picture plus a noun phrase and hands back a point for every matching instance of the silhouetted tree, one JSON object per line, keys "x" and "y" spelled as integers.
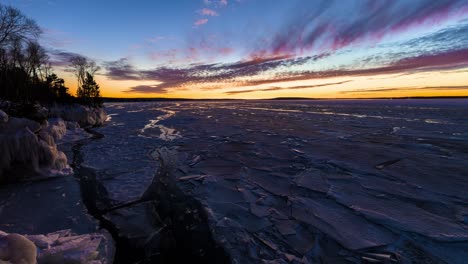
{"x": 13, "y": 25}
{"x": 84, "y": 70}
{"x": 20, "y": 55}
{"x": 35, "y": 59}
{"x": 90, "y": 93}
{"x": 81, "y": 66}
{"x": 57, "y": 88}
{"x": 25, "y": 73}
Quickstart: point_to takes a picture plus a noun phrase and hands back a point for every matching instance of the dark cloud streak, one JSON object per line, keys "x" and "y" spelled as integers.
{"x": 61, "y": 58}
{"x": 439, "y": 88}
{"x": 287, "y": 88}
{"x": 147, "y": 89}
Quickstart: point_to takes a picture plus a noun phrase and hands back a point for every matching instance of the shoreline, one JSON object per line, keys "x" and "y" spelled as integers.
{"x": 116, "y": 99}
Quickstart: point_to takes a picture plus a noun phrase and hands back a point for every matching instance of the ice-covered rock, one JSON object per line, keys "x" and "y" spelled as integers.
{"x": 3, "y": 117}
{"x": 58, "y": 247}
{"x": 16, "y": 248}
{"x": 84, "y": 116}
{"x": 29, "y": 146}
{"x": 20, "y": 147}
{"x": 72, "y": 125}
{"x": 14, "y": 124}
{"x": 57, "y": 128}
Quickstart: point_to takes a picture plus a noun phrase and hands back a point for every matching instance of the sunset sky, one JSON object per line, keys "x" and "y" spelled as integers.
{"x": 261, "y": 48}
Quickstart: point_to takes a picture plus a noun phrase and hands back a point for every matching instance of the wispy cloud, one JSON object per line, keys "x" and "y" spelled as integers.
{"x": 200, "y": 22}
{"x": 61, "y": 58}
{"x": 121, "y": 70}
{"x": 153, "y": 89}
{"x": 326, "y": 25}
{"x": 250, "y": 72}
{"x": 57, "y": 38}
{"x": 286, "y": 88}
{"x": 156, "y": 39}
{"x": 431, "y": 88}
{"x": 208, "y": 12}
{"x": 216, "y": 2}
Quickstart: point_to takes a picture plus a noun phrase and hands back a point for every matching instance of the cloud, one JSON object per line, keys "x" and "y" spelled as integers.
{"x": 251, "y": 72}
{"x": 195, "y": 73}
{"x": 121, "y": 70}
{"x": 200, "y": 22}
{"x": 450, "y": 38}
{"x": 146, "y": 89}
{"x": 61, "y": 58}
{"x": 225, "y": 51}
{"x": 57, "y": 38}
{"x": 156, "y": 39}
{"x": 286, "y": 88}
{"x": 439, "y": 88}
{"x": 216, "y": 2}
{"x": 208, "y": 12}
{"x": 329, "y": 25}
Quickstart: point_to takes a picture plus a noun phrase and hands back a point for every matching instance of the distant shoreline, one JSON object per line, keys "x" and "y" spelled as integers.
{"x": 115, "y": 99}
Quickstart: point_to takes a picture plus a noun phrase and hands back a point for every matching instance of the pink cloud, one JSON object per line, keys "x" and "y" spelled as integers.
{"x": 156, "y": 39}
{"x": 208, "y": 12}
{"x": 201, "y": 22}
{"x": 223, "y": 2}
{"x": 225, "y": 51}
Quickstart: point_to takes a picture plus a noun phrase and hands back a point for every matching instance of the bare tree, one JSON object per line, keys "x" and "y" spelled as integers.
{"x": 13, "y": 24}
{"x": 81, "y": 67}
{"x": 35, "y": 57}
{"x": 16, "y": 53}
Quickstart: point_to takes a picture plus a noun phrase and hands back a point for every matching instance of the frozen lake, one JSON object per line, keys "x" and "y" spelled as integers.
{"x": 295, "y": 181}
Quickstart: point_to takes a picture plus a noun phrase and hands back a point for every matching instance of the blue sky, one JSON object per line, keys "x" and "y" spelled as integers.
{"x": 266, "y": 48}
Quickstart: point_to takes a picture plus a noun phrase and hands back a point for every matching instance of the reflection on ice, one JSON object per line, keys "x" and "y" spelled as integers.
{"x": 109, "y": 117}
{"x": 166, "y": 134}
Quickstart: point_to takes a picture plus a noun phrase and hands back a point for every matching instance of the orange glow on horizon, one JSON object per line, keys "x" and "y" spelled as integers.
{"x": 451, "y": 83}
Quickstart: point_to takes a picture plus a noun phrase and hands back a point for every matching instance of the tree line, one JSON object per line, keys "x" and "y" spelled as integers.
{"x": 26, "y": 74}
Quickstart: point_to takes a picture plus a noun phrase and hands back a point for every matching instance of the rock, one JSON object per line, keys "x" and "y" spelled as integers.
{"x": 3, "y": 117}
{"x": 17, "y": 249}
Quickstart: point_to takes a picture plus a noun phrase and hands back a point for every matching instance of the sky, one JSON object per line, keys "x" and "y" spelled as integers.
{"x": 260, "y": 48}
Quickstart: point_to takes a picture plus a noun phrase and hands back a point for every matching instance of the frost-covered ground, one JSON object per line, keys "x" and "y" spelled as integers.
{"x": 295, "y": 181}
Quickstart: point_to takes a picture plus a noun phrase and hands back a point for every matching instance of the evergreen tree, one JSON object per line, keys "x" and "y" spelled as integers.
{"x": 89, "y": 91}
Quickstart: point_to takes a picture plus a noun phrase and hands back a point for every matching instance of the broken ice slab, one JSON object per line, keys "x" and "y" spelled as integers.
{"x": 398, "y": 214}
{"x": 340, "y": 223}
{"x": 385, "y": 164}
